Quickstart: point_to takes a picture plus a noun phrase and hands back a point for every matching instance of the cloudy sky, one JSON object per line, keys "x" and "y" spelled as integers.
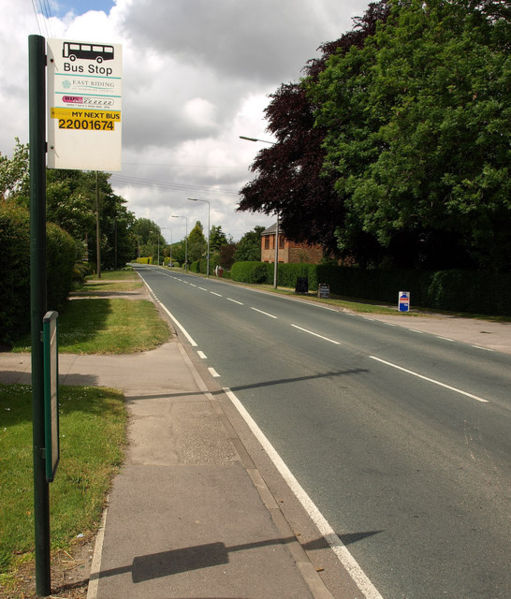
{"x": 196, "y": 76}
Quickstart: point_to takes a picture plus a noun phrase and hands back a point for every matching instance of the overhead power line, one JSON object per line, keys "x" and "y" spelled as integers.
{"x": 139, "y": 181}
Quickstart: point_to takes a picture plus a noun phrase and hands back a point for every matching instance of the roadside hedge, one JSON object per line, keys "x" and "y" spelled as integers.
{"x": 454, "y": 290}
{"x": 251, "y": 272}
{"x": 15, "y": 269}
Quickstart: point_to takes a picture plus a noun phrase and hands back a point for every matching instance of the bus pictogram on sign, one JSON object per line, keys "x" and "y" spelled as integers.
{"x": 97, "y": 52}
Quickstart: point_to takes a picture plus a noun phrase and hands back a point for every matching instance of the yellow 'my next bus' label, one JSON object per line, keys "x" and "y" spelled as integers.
{"x": 93, "y": 120}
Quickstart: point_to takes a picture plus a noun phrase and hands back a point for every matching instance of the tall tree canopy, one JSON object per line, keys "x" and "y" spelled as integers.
{"x": 249, "y": 246}
{"x": 411, "y": 111}
{"x": 197, "y": 244}
{"x": 419, "y": 128}
{"x": 289, "y": 175}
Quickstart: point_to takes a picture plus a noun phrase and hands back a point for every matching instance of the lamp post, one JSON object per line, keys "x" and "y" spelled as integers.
{"x": 276, "y": 259}
{"x": 186, "y": 236}
{"x": 209, "y": 232}
{"x": 264, "y": 141}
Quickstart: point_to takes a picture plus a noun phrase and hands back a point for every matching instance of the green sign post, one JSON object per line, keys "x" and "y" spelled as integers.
{"x": 38, "y": 302}
{"x": 51, "y": 388}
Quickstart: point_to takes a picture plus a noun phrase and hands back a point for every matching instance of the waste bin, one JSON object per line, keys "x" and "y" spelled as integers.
{"x": 302, "y": 285}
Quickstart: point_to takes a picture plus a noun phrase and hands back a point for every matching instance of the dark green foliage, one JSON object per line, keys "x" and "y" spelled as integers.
{"x": 252, "y": 272}
{"x": 456, "y": 290}
{"x": 248, "y": 247}
{"x": 200, "y": 266}
{"x": 287, "y": 274}
{"x": 418, "y": 136}
{"x": 15, "y": 269}
{"x": 60, "y": 253}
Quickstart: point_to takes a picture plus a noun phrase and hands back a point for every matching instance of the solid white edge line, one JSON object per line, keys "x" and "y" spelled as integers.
{"x": 315, "y": 334}
{"x": 337, "y": 546}
{"x": 181, "y": 327}
{"x": 425, "y": 378}
{"x": 261, "y": 312}
{"x": 481, "y": 347}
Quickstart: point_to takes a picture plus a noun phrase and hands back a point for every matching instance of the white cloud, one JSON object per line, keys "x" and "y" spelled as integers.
{"x": 196, "y": 75}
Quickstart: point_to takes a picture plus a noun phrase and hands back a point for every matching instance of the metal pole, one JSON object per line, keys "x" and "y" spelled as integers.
{"x": 276, "y": 265}
{"x": 98, "y": 245}
{"x": 38, "y": 301}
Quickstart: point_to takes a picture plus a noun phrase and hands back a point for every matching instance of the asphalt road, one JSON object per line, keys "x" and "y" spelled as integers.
{"x": 401, "y": 439}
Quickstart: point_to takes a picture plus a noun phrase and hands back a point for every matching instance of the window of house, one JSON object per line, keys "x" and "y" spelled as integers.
{"x": 267, "y": 242}
{"x": 281, "y": 242}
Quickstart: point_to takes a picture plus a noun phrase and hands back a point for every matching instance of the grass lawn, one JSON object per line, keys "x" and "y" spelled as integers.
{"x": 107, "y": 326}
{"x": 92, "y": 440}
{"x": 95, "y": 286}
{"x": 116, "y": 275}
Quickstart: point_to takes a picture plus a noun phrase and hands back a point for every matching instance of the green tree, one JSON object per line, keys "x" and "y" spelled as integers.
{"x": 197, "y": 244}
{"x": 419, "y": 132}
{"x": 249, "y": 246}
{"x": 149, "y": 237}
{"x": 14, "y": 175}
{"x": 217, "y": 238}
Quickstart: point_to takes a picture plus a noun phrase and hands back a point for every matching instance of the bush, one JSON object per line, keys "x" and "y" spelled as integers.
{"x": 80, "y": 271}
{"x": 15, "y": 268}
{"x": 287, "y": 274}
{"x": 252, "y": 272}
{"x": 454, "y": 290}
{"x": 60, "y": 260}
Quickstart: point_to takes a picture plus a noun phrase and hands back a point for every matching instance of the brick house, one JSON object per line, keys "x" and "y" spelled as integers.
{"x": 289, "y": 251}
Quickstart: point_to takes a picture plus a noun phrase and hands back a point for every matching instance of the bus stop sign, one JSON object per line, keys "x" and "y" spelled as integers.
{"x": 84, "y": 105}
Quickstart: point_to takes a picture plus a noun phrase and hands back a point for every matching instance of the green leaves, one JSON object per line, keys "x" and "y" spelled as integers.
{"x": 418, "y": 122}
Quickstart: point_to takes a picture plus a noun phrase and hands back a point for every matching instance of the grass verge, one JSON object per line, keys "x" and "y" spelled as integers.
{"x": 92, "y": 438}
{"x": 95, "y": 287}
{"x": 116, "y": 275}
{"x": 107, "y": 326}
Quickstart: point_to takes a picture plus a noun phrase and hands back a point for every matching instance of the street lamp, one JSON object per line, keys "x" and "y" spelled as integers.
{"x": 264, "y": 141}
{"x": 209, "y": 215}
{"x": 186, "y": 236}
{"x": 276, "y": 259}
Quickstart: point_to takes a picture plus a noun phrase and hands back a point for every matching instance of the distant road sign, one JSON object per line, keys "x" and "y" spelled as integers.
{"x": 84, "y": 105}
{"x": 404, "y": 301}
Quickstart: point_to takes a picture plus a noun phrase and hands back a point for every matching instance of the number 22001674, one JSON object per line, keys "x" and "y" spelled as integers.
{"x": 94, "y": 125}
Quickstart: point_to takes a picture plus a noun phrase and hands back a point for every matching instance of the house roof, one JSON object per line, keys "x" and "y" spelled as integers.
{"x": 271, "y": 230}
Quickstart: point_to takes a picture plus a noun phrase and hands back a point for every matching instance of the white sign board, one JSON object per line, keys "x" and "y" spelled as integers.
{"x": 84, "y": 105}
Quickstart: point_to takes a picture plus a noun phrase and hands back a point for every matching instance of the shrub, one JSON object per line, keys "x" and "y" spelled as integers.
{"x": 252, "y": 272}
{"x": 15, "y": 268}
{"x": 60, "y": 260}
